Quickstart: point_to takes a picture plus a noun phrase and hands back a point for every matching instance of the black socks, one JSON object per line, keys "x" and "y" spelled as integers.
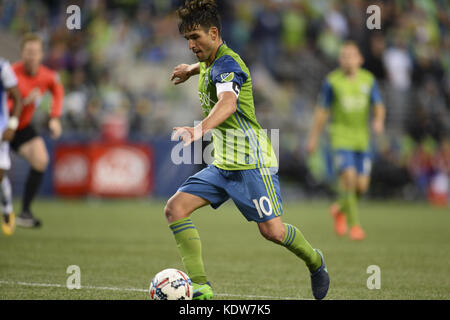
{"x": 31, "y": 188}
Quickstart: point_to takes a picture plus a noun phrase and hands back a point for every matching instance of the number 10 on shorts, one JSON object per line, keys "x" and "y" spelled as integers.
{"x": 261, "y": 208}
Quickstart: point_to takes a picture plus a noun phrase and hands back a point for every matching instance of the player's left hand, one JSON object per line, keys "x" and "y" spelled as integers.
{"x": 55, "y": 128}
{"x": 187, "y": 134}
{"x": 378, "y": 127}
{"x": 8, "y": 135}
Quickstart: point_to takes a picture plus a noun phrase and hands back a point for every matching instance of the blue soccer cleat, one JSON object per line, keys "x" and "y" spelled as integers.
{"x": 320, "y": 280}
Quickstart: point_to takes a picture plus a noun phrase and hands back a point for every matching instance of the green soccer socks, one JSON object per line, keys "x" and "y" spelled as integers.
{"x": 348, "y": 202}
{"x": 297, "y": 244}
{"x": 190, "y": 248}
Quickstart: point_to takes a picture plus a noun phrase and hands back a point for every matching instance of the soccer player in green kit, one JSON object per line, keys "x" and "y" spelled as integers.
{"x": 347, "y": 95}
{"x": 245, "y": 166}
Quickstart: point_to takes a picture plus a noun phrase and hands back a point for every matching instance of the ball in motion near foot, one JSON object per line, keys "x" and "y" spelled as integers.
{"x": 171, "y": 284}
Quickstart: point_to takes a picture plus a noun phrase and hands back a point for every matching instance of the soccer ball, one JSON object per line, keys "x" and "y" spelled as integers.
{"x": 171, "y": 284}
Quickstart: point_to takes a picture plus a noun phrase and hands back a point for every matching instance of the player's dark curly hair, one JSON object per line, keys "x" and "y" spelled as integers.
{"x": 198, "y": 13}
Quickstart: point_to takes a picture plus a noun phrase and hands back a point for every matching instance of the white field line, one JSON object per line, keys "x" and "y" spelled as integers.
{"x": 55, "y": 285}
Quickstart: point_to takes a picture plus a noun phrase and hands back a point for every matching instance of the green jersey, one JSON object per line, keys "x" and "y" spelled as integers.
{"x": 349, "y": 101}
{"x": 239, "y": 142}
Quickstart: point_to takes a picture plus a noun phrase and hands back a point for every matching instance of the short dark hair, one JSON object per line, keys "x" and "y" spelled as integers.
{"x": 198, "y": 13}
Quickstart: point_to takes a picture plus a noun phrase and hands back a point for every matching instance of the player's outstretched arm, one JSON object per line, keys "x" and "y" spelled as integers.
{"x": 57, "y": 90}
{"x": 320, "y": 118}
{"x": 182, "y": 72}
{"x": 222, "y": 110}
{"x": 378, "y": 119}
{"x": 13, "y": 122}
{"x": 14, "y": 93}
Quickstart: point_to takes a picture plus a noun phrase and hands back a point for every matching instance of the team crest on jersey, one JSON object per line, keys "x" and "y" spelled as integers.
{"x": 227, "y": 77}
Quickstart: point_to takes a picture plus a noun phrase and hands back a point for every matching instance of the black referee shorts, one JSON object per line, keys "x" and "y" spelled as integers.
{"x": 22, "y": 136}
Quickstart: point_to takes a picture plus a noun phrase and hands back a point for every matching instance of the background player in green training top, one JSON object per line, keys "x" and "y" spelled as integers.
{"x": 245, "y": 166}
{"x": 347, "y": 95}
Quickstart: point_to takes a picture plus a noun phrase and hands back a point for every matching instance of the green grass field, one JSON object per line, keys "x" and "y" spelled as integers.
{"x": 120, "y": 245}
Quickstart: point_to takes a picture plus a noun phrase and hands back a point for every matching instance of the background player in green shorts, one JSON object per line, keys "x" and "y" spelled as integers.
{"x": 347, "y": 95}
{"x": 245, "y": 165}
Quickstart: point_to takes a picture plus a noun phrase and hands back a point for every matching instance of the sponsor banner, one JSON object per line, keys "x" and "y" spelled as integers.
{"x": 103, "y": 169}
{"x": 121, "y": 170}
{"x": 71, "y": 170}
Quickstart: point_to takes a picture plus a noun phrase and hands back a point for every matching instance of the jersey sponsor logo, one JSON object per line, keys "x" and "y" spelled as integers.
{"x": 206, "y": 101}
{"x": 364, "y": 89}
{"x": 354, "y": 103}
{"x": 227, "y": 77}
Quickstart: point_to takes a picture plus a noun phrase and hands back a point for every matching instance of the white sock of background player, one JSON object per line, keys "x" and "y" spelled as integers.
{"x": 6, "y": 195}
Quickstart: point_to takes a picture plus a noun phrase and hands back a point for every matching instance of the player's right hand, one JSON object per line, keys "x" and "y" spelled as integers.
{"x": 186, "y": 134}
{"x": 8, "y": 135}
{"x": 55, "y": 128}
{"x": 181, "y": 73}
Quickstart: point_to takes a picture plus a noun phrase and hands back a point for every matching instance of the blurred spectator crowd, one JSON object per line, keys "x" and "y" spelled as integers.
{"x": 119, "y": 64}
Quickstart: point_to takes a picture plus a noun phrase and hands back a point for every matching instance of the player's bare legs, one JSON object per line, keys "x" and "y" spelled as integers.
{"x": 273, "y": 230}
{"x": 35, "y": 152}
{"x": 362, "y": 184}
{"x": 181, "y": 205}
